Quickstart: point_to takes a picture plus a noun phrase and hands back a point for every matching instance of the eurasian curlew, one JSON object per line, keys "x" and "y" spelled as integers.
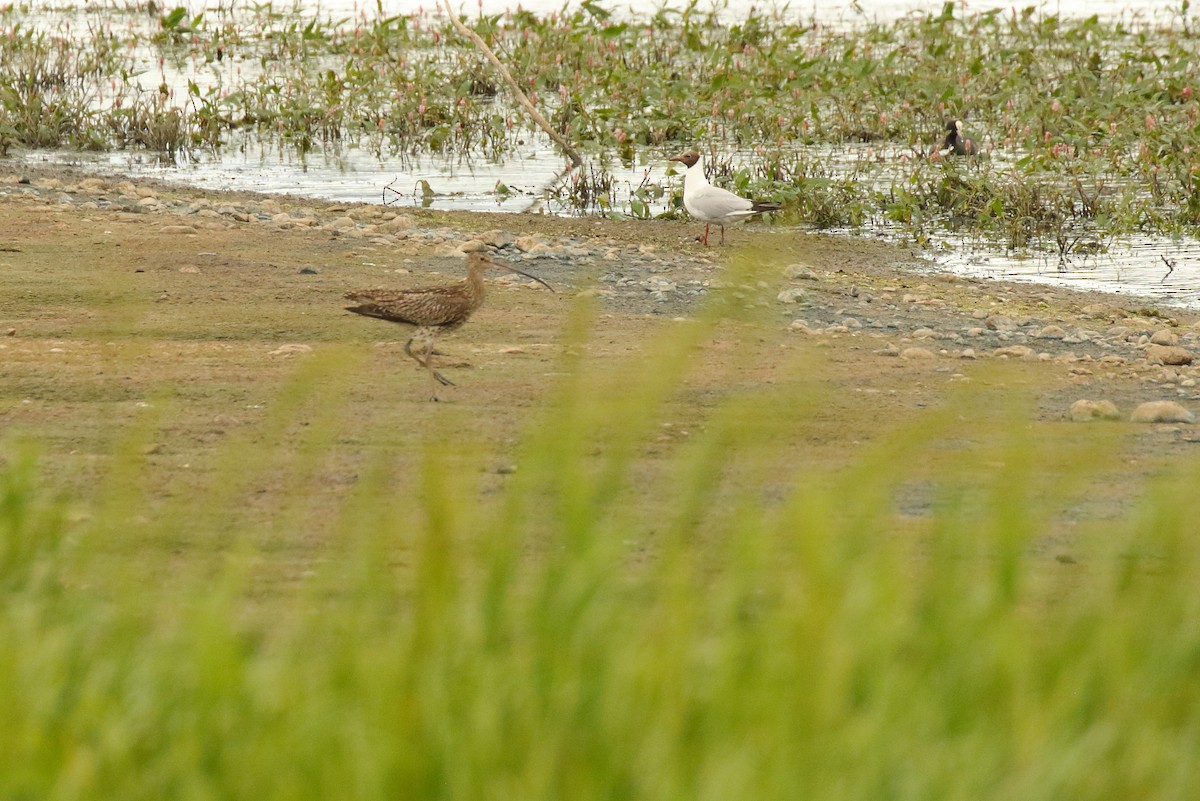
{"x": 433, "y": 308}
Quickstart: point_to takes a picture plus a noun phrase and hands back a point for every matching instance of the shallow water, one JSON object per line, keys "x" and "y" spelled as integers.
{"x": 1127, "y": 266}
{"x": 1133, "y": 265}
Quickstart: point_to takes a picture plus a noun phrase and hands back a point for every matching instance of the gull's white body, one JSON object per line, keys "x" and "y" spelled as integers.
{"x": 711, "y": 204}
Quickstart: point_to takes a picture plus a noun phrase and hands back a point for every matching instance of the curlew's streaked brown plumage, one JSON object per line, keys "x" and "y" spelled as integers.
{"x": 433, "y": 308}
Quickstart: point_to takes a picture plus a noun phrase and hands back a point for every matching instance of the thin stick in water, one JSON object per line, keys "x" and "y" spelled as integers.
{"x": 513, "y": 87}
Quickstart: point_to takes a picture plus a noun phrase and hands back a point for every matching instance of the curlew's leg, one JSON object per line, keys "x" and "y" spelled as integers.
{"x": 426, "y": 363}
{"x": 432, "y": 373}
{"x": 409, "y": 351}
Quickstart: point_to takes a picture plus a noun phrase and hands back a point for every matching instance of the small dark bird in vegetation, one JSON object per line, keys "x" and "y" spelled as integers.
{"x": 955, "y": 143}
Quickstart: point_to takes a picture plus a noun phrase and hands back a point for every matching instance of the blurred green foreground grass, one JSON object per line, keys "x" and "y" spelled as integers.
{"x": 553, "y": 639}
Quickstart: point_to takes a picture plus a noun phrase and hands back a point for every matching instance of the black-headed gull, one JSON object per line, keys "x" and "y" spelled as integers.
{"x": 955, "y": 143}
{"x": 712, "y": 204}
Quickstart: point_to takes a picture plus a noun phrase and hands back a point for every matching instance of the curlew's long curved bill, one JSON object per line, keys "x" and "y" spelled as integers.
{"x": 499, "y": 265}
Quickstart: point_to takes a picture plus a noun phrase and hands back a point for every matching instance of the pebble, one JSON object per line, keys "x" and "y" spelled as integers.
{"x": 527, "y": 243}
{"x": 998, "y": 322}
{"x": 1051, "y": 332}
{"x": 1013, "y": 351}
{"x": 498, "y": 239}
{"x": 290, "y": 350}
{"x": 1162, "y": 412}
{"x": 1164, "y": 336}
{"x": 1099, "y": 310}
{"x": 790, "y": 295}
{"x": 798, "y": 272}
{"x": 917, "y": 354}
{"x": 1168, "y": 354}
{"x": 1084, "y": 410}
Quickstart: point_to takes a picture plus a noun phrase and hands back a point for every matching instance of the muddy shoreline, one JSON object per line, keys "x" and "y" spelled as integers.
{"x": 120, "y": 294}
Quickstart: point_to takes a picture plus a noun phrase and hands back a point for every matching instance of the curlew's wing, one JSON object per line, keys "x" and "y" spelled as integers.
{"x": 433, "y": 306}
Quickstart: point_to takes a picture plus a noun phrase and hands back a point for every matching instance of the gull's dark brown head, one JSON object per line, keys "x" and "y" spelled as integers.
{"x": 687, "y": 158}
{"x": 478, "y": 260}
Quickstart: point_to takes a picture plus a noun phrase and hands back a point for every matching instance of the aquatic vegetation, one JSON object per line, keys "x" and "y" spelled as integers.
{"x": 1083, "y": 123}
